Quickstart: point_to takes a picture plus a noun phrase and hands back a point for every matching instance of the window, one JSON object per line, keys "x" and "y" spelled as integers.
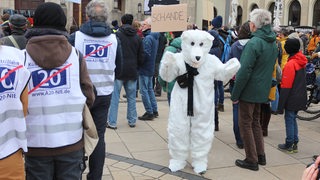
{"x": 294, "y": 13}
{"x": 239, "y": 16}
{"x": 316, "y": 14}
{"x": 271, "y": 9}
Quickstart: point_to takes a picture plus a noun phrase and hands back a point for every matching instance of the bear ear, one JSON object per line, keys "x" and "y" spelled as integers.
{"x": 185, "y": 34}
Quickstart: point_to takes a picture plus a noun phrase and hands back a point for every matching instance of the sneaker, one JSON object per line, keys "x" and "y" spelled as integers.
{"x": 220, "y": 107}
{"x": 295, "y": 147}
{"x": 286, "y": 148}
{"x": 155, "y": 114}
{"x": 132, "y": 125}
{"x": 111, "y": 127}
{"x": 262, "y": 160}
{"x": 146, "y": 116}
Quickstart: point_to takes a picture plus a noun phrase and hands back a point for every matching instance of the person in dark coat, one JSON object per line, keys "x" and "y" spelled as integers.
{"x": 18, "y": 25}
{"x": 127, "y": 72}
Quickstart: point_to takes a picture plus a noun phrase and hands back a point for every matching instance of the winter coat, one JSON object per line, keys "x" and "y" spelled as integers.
{"x": 254, "y": 78}
{"x": 133, "y": 55}
{"x": 217, "y": 45}
{"x": 150, "y": 45}
{"x": 293, "y": 94}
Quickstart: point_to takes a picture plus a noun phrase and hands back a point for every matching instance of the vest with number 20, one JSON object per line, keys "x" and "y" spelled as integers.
{"x": 55, "y": 104}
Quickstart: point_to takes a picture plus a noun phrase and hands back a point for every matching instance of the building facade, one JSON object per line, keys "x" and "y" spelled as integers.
{"x": 200, "y": 12}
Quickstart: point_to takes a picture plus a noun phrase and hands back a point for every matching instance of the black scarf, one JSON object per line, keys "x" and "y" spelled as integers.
{"x": 191, "y": 73}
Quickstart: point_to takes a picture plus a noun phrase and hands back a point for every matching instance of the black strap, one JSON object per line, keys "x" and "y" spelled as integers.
{"x": 191, "y": 73}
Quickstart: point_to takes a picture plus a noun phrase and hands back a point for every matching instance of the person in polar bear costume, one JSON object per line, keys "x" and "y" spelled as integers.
{"x": 191, "y": 116}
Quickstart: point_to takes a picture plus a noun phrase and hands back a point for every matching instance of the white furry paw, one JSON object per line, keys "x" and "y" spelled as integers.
{"x": 200, "y": 168}
{"x": 176, "y": 165}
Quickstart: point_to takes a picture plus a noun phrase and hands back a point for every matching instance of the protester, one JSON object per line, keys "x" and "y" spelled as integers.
{"x": 18, "y": 25}
{"x": 313, "y": 41}
{"x": 175, "y": 47}
{"x": 235, "y": 52}
{"x": 127, "y": 72}
{"x": 216, "y": 50}
{"x": 5, "y": 24}
{"x": 218, "y": 85}
{"x": 146, "y": 71}
{"x": 102, "y": 51}
{"x": 58, "y": 89}
{"x": 252, "y": 86}
{"x": 13, "y": 111}
{"x": 293, "y": 94}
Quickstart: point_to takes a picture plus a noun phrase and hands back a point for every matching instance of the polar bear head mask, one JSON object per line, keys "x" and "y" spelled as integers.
{"x": 195, "y": 46}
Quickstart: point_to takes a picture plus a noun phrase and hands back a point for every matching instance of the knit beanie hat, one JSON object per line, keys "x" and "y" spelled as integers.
{"x": 50, "y": 15}
{"x": 217, "y": 22}
{"x": 292, "y": 46}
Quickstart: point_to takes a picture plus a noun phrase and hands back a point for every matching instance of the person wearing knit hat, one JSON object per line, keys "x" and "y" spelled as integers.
{"x": 216, "y": 22}
{"x": 18, "y": 25}
{"x": 293, "y": 94}
{"x": 292, "y": 46}
{"x": 58, "y": 90}
{"x": 50, "y": 15}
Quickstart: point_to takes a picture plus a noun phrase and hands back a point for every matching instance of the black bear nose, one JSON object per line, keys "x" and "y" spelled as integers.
{"x": 198, "y": 58}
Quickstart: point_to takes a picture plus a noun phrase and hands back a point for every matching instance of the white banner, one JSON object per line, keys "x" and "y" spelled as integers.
{"x": 75, "y": 1}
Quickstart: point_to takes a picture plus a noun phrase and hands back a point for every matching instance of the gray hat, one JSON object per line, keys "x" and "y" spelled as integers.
{"x": 18, "y": 20}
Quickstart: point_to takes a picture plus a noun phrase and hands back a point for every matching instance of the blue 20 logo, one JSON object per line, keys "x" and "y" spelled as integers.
{"x": 7, "y": 83}
{"x": 39, "y": 76}
{"x": 96, "y": 50}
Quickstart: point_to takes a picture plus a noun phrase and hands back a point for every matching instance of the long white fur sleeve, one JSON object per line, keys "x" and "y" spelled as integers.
{"x": 228, "y": 70}
{"x": 168, "y": 66}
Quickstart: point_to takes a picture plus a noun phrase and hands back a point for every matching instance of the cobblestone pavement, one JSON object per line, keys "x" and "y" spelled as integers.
{"x": 141, "y": 153}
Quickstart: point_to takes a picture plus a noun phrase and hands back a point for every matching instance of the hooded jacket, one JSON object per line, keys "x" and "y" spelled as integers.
{"x": 253, "y": 80}
{"x": 133, "y": 55}
{"x": 49, "y": 48}
{"x": 293, "y": 94}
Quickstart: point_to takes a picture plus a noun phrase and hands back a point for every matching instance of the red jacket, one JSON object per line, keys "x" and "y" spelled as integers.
{"x": 293, "y": 94}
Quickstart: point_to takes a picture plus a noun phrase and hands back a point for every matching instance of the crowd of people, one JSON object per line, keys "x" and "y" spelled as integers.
{"x": 48, "y": 74}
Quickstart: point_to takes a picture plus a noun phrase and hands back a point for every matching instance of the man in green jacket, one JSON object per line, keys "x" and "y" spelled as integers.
{"x": 252, "y": 86}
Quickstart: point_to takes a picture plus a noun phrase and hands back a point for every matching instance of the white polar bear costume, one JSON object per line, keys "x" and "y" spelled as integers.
{"x": 193, "y": 133}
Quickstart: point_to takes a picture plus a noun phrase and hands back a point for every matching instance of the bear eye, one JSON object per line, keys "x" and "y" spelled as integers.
{"x": 201, "y": 44}
{"x": 192, "y": 43}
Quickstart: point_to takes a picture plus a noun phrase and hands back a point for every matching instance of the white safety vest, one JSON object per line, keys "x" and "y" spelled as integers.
{"x": 55, "y": 104}
{"x": 101, "y": 53}
{"x": 13, "y": 79}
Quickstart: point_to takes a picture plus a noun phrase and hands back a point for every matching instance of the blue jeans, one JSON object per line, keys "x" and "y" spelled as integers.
{"x": 130, "y": 89}
{"x": 274, "y": 104}
{"x": 66, "y": 166}
{"x": 99, "y": 112}
{"x": 219, "y": 92}
{"x": 235, "y": 113}
{"x": 236, "y": 130}
{"x": 291, "y": 127}
{"x": 147, "y": 94}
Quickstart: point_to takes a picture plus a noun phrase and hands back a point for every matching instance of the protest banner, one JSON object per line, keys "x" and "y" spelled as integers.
{"x": 168, "y": 18}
